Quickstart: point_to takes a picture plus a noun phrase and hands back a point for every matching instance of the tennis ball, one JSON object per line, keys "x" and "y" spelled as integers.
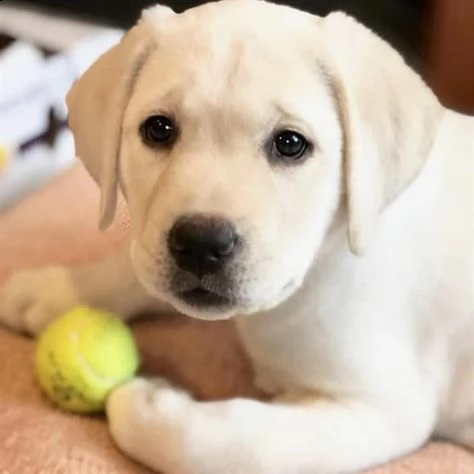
{"x": 82, "y": 356}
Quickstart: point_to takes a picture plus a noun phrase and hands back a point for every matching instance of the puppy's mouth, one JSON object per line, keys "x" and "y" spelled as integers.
{"x": 203, "y": 298}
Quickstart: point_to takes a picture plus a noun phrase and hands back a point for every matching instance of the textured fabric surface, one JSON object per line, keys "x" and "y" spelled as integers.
{"x": 59, "y": 225}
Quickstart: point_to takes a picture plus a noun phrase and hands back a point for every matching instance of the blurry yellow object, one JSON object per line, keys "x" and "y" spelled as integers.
{"x": 4, "y": 157}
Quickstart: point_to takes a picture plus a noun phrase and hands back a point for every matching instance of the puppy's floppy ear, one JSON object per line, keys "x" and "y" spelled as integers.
{"x": 97, "y": 102}
{"x": 389, "y": 116}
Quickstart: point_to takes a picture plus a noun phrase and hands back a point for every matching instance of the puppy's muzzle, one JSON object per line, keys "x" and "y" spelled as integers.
{"x": 202, "y": 245}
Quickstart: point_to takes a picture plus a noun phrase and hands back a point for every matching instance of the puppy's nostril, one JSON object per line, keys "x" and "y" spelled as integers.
{"x": 225, "y": 248}
{"x": 177, "y": 246}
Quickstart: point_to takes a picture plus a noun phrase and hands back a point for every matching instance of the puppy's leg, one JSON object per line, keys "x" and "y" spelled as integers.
{"x": 166, "y": 430}
{"x": 32, "y": 299}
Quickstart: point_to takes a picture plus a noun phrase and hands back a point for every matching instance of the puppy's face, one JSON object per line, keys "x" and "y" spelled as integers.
{"x": 230, "y": 161}
{"x": 227, "y": 128}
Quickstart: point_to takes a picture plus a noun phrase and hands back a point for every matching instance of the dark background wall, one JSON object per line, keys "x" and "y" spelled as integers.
{"x": 399, "y": 21}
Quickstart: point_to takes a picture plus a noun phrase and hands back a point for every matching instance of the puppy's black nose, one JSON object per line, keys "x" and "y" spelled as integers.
{"x": 202, "y": 244}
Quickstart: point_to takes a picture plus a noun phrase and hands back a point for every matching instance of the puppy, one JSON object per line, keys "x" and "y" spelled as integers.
{"x": 290, "y": 172}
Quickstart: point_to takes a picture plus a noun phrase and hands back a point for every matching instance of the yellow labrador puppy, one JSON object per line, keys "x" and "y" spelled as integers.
{"x": 293, "y": 173}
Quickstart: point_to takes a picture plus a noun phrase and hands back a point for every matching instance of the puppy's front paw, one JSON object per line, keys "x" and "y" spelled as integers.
{"x": 146, "y": 419}
{"x": 30, "y": 300}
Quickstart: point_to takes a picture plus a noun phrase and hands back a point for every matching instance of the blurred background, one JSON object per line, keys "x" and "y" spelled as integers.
{"x": 46, "y": 44}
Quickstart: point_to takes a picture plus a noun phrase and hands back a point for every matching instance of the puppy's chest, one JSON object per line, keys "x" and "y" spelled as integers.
{"x": 295, "y": 355}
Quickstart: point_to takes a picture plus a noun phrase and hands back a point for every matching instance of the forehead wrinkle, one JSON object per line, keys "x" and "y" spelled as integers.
{"x": 142, "y": 60}
{"x": 165, "y": 102}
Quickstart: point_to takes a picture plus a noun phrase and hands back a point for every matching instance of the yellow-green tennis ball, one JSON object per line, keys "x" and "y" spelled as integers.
{"x": 82, "y": 356}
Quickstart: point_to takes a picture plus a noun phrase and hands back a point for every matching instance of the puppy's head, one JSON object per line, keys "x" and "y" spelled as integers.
{"x": 236, "y": 131}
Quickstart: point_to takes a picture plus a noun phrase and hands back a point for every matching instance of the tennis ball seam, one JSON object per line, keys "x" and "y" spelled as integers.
{"x": 86, "y": 366}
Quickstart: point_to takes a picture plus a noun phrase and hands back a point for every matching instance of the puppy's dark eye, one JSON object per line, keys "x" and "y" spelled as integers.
{"x": 158, "y": 130}
{"x": 289, "y": 145}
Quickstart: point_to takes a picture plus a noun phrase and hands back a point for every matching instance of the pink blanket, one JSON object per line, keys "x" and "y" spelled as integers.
{"x": 59, "y": 225}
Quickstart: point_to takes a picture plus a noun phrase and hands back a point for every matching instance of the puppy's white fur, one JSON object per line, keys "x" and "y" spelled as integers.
{"x": 356, "y": 286}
